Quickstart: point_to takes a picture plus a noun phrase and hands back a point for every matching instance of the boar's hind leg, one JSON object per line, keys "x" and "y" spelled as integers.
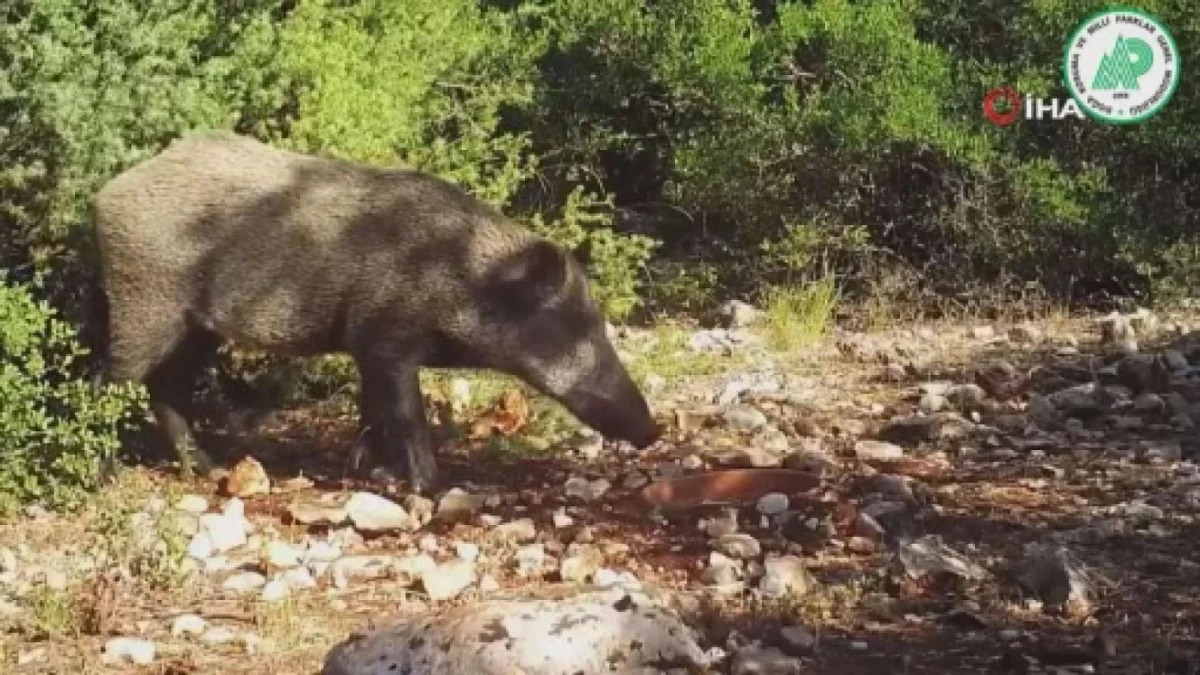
{"x": 171, "y": 386}
{"x": 167, "y": 359}
{"x": 394, "y": 423}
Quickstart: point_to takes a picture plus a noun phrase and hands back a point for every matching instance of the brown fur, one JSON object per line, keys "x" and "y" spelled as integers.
{"x": 223, "y": 237}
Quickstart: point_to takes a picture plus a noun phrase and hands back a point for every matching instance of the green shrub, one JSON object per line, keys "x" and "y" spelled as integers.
{"x": 616, "y": 262}
{"x": 801, "y": 313}
{"x": 56, "y": 429}
{"x": 410, "y": 82}
{"x": 86, "y": 90}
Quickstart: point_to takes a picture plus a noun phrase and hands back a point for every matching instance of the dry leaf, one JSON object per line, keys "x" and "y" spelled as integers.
{"x": 507, "y": 417}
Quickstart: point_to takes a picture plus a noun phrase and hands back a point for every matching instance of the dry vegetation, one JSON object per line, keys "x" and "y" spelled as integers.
{"x": 119, "y": 570}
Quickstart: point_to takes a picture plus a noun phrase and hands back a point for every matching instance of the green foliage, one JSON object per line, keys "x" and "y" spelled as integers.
{"x": 382, "y": 81}
{"x": 56, "y": 430}
{"x": 864, "y": 118}
{"x": 684, "y": 286}
{"x": 54, "y": 612}
{"x": 800, "y": 314}
{"x": 87, "y": 89}
{"x": 145, "y": 542}
{"x": 616, "y": 260}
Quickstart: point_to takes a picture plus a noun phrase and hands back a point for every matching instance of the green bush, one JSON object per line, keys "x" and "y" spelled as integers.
{"x": 409, "y": 82}
{"x": 616, "y": 262}
{"x": 862, "y": 121}
{"x": 57, "y": 431}
{"x": 87, "y": 89}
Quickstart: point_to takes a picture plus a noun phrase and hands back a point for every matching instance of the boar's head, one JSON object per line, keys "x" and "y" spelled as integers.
{"x": 537, "y": 320}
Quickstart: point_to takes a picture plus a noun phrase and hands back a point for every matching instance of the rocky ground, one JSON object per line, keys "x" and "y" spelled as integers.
{"x": 985, "y": 498}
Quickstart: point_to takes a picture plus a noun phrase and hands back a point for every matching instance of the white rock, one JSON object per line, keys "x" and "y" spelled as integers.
{"x": 244, "y": 582}
{"x": 217, "y": 564}
{"x": 607, "y": 578}
{"x": 201, "y": 547}
{"x": 580, "y": 564}
{"x": 415, "y": 565}
{"x": 520, "y": 531}
{"x": 585, "y": 490}
{"x": 194, "y": 504}
{"x": 9, "y": 610}
{"x": 188, "y": 624}
{"x": 722, "y": 525}
{"x": 322, "y": 551}
{"x": 457, "y": 503}
{"x": 428, "y": 544}
{"x": 872, "y": 450}
{"x": 234, "y": 508}
{"x": 785, "y": 575}
{"x": 591, "y": 447}
{"x": 745, "y": 418}
{"x": 372, "y": 513}
{"x": 280, "y": 554}
{"x": 298, "y": 578}
{"x": 721, "y": 575}
{"x": 531, "y": 558}
{"x": 448, "y": 580}
{"x": 576, "y": 634}
{"x": 488, "y": 584}
{"x": 983, "y": 332}
{"x": 363, "y": 567}
{"x": 420, "y": 509}
{"x": 218, "y": 635}
{"x": 8, "y": 561}
{"x": 561, "y": 519}
{"x": 467, "y": 551}
{"x": 253, "y": 644}
{"x": 773, "y": 504}
{"x": 460, "y": 392}
{"x": 137, "y": 651}
{"x": 275, "y": 591}
{"x": 226, "y": 531}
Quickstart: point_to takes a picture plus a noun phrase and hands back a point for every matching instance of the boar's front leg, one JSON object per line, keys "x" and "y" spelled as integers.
{"x": 394, "y": 423}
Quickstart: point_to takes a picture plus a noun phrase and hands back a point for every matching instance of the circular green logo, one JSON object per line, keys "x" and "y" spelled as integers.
{"x": 1121, "y": 66}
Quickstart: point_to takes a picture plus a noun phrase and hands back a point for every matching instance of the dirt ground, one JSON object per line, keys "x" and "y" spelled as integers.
{"x": 1127, "y": 516}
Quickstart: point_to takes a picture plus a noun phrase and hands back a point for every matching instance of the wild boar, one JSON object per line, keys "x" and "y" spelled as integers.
{"x": 221, "y": 237}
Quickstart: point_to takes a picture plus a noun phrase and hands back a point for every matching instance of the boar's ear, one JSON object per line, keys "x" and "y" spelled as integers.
{"x": 534, "y": 276}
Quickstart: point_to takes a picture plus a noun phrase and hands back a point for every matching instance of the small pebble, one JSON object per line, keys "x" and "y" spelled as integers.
{"x": 133, "y": 650}
{"x": 188, "y": 624}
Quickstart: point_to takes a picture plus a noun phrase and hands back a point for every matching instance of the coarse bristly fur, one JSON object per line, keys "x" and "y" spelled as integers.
{"x": 222, "y": 237}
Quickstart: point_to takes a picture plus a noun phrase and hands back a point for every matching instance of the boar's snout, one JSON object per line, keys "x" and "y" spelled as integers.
{"x": 611, "y": 403}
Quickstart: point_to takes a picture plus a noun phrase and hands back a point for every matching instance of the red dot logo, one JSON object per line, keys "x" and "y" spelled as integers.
{"x": 1002, "y": 119}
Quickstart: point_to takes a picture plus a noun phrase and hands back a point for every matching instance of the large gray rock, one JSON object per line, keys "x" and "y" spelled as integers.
{"x": 608, "y": 631}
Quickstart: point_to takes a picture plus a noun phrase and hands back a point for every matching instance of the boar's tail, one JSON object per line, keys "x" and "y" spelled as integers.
{"x": 94, "y": 332}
